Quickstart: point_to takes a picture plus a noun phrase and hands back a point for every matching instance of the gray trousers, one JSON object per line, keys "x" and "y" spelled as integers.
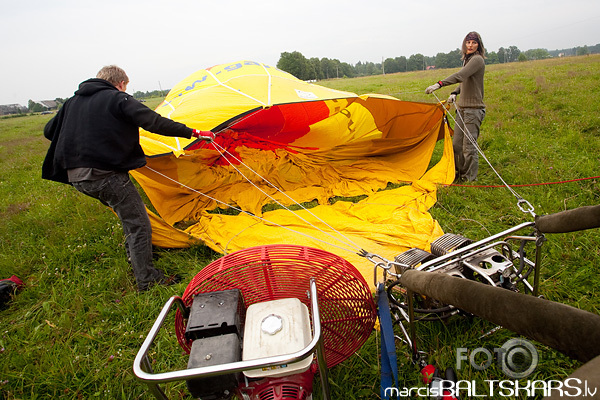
{"x": 119, "y": 193}
{"x": 466, "y": 157}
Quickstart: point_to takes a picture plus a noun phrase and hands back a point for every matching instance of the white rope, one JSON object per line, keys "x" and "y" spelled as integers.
{"x": 233, "y": 89}
{"x": 222, "y": 152}
{"x": 345, "y": 240}
{"x": 269, "y": 85}
{"x": 521, "y": 202}
{"x": 245, "y": 212}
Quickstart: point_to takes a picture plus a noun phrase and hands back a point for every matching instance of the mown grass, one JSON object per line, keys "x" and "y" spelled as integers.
{"x": 74, "y": 330}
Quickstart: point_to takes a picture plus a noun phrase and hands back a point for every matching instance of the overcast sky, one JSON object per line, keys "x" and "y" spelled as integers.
{"x": 49, "y": 47}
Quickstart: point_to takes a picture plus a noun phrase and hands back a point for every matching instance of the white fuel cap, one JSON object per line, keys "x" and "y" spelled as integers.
{"x": 271, "y": 324}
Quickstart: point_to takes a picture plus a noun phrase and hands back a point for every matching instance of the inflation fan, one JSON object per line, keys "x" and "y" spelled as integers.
{"x": 260, "y": 322}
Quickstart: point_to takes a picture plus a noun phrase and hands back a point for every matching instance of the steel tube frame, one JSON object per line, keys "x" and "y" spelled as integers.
{"x": 143, "y": 371}
{"x": 470, "y": 247}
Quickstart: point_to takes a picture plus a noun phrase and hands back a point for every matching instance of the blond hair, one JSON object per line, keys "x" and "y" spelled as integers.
{"x": 113, "y": 74}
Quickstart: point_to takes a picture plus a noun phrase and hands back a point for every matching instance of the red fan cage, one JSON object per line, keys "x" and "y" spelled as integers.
{"x": 272, "y": 272}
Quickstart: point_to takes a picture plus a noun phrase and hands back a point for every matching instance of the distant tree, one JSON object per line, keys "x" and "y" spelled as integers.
{"x": 502, "y": 55}
{"x": 336, "y": 68}
{"x": 582, "y": 51}
{"x": 294, "y": 63}
{"x": 391, "y": 65}
{"x": 537, "y": 54}
{"x": 359, "y": 69}
{"x": 402, "y": 63}
{"x": 59, "y": 102}
{"x": 448, "y": 60}
{"x": 370, "y": 68}
{"x": 428, "y": 61}
{"x": 32, "y": 106}
{"x": 513, "y": 53}
{"x": 314, "y": 69}
{"x": 328, "y": 68}
{"x": 456, "y": 57}
{"x": 348, "y": 70}
{"x": 416, "y": 62}
{"x": 491, "y": 58}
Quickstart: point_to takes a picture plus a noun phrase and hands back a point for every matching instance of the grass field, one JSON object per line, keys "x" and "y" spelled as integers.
{"x": 74, "y": 330}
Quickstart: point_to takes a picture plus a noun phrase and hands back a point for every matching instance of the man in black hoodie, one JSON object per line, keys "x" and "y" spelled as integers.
{"x": 95, "y": 142}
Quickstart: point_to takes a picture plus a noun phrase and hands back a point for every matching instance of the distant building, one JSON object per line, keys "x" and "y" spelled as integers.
{"x": 49, "y": 105}
{"x": 8, "y": 109}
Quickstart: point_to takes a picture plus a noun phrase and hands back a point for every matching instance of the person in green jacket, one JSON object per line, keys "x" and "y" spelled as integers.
{"x": 470, "y": 107}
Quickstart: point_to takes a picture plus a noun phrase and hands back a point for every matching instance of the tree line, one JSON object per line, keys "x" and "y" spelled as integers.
{"x": 310, "y": 69}
{"x": 35, "y": 107}
{"x": 318, "y": 69}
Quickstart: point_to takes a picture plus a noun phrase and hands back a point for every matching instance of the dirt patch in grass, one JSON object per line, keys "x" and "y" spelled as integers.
{"x": 14, "y": 209}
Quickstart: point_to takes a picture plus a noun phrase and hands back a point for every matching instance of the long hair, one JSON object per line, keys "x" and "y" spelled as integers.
{"x": 473, "y": 36}
{"x": 113, "y": 74}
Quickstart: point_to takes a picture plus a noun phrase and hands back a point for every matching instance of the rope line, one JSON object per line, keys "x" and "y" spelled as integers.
{"x": 222, "y": 151}
{"x": 346, "y": 241}
{"x": 530, "y": 184}
{"x": 245, "y": 212}
{"x": 521, "y": 202}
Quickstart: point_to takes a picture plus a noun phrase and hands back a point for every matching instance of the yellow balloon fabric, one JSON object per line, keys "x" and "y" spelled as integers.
{"x": 280, "y": 140}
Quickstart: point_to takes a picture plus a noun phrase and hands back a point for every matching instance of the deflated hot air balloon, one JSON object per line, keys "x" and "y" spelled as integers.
{"x": 283, "y": 141}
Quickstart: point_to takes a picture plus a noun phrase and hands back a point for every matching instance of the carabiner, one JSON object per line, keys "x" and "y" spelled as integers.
{"x": 530, "y": 208}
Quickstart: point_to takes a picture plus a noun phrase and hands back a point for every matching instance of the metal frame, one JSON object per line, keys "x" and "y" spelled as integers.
{"x": 469, "y": 248}
{"x": 142, "y": 368}
{"x": 462, "y": 254}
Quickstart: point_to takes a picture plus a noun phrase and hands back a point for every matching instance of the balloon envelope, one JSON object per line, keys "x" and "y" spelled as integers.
{"x": 283, "y": 141}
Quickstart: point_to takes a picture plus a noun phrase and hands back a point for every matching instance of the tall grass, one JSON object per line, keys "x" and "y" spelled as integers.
{"x": 74, "y": 330}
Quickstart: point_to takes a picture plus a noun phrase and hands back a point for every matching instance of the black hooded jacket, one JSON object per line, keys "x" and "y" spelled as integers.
{"x": 99, "y": 128}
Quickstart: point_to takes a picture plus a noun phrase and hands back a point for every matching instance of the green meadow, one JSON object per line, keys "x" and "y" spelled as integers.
{"x": 75, "y": 328}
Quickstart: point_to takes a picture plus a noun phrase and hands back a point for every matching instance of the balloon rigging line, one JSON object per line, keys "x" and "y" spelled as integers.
{"x": 246, "y": 212}
{"x": 268, "y": 85}
{"x": 233, "y": 89}
{"x": 222, "y": 151}
{"x": 520, "y": 199}
{"x": 533, "y": 184}
{"x": 346, "y": 240}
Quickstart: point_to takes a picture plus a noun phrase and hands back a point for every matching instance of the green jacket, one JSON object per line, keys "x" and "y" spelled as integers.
{"x": 470, "y": 78}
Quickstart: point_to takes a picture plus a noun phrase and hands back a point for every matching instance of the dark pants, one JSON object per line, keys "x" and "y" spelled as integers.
{"x": 466, "y": 157}
{"x": 119, "y": 193}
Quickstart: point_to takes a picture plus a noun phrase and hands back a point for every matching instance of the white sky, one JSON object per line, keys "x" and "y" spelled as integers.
{"x": 49, "y": 47}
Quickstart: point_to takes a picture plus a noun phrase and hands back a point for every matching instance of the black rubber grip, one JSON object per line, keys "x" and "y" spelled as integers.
{"x": 567, "y": 329}
{"x": 577, "y": 219}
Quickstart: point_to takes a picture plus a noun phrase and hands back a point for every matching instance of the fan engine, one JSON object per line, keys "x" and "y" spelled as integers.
{"x": 221, "y": 335}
